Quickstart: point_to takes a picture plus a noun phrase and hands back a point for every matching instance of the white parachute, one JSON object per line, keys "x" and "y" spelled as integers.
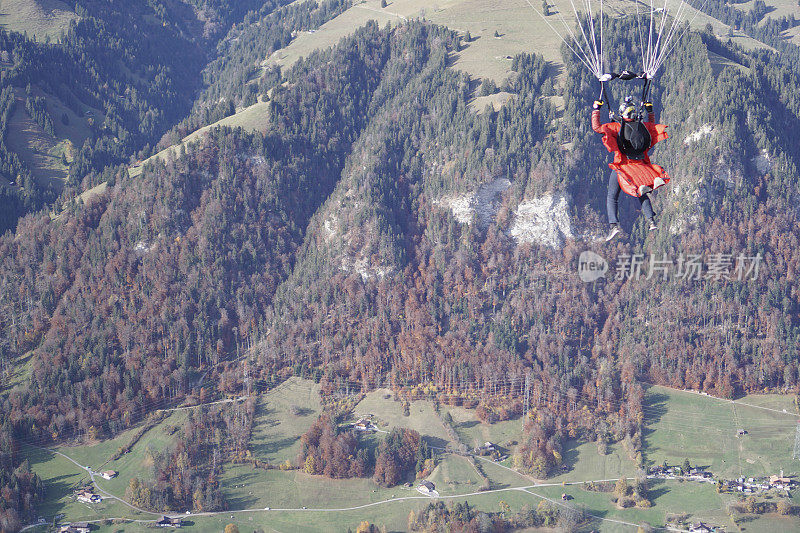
{"x": 659, "y": 27}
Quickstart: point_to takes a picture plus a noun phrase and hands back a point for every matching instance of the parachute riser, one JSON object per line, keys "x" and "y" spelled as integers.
{"x": 646, "y": 90}
{"x": 625, "y": 76}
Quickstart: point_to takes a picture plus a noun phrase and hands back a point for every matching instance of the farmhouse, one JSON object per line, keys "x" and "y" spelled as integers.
{"x": 700, "y": 528}
{"x": 166, "y": 521}
{"x": 363, "y": 424}
{"x": 108, "y": 474}
{"x": 486, "y": 449}
{"x": 75, "y": 527}
{"x": 426, "y": 487}
{"x": 87, "y": 496}
{"x": 775, "y": 480}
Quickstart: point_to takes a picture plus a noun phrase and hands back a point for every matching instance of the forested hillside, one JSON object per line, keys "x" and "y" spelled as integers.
{"x": 338, "y": 245}
{"x": 127, "y": 73}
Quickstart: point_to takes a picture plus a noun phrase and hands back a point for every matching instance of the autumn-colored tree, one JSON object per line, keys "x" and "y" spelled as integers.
{"x": 784, "y": 507}
{"x": 397, "y": 456}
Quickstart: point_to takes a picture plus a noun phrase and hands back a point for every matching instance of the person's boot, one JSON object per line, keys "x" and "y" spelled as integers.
{"x": 653, "y": 225}
{"x": 644, "y": 189}
{"x": 613, "y": 232}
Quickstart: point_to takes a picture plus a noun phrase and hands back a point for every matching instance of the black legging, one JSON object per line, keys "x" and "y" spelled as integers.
{"x": 612, "y": 200}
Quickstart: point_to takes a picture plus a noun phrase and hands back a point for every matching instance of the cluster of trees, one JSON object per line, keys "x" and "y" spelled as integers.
{"x": 236, "y": 74}
{"x": 753, "y": 505}
{"x": 461, "y": 517}
{"x": 36, "y": 106}
{"x": 492, "y": 412}
{"x": 20, "y": 489}
{"x": 186, "y": 475}
{"x": 333, "y": 453}
{"x": 632, "y": 494}
{"x": 542, "y": 447}
{"x": 217, "y": 16}
{"x": 400, "y": 454}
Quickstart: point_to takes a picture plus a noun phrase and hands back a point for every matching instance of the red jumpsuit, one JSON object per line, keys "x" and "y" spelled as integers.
{"x": 631, "y": 173}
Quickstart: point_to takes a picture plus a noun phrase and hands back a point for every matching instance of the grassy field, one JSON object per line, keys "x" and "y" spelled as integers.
{"x": 40, "y": 151}
{"x": 394, "y": 515}
{"x": 585, "y": 463}
{"x": 389, "y": 414}
{"x": 780, "y": 402}
{"x": 496, "y": 101}
{"x": 473, "y": 432}
{"x": 519, "y": 27}
{"x": 60, "y": 478}
{"x": 718, "y": 63}
{"x": 253, "y": 118}
{"x": 19, "y": 373}
{"x": 137, "y": 462}
{"x": 39, "y": 18}
{"x": 249, "y": 488}
{"x": 778, "y": 8}
{"x": 282, "y": 416}
{"x": 699, "y": 501}
{"x": 455, "y": 475}
{"x": 581, "y": 458}
{"x": 704, "y": 430}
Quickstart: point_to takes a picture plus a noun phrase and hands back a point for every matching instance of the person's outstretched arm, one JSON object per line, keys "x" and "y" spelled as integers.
{"x": 596, "y": 125}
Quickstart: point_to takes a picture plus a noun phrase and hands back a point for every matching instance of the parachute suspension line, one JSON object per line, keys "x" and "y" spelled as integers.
{"x": 650, "y": 35}
{"x": 670, "y": 35}
{"x": 641, "y": 36}
{"x": 600, "y": 56}
{"x": 590, "y": 58}
{"x": 598, "y": 52}
{"x": 656, "y": 47}
{"x": 591, "y": 44}
{"x": 582, "y": 56}
{"x": 685, "y": 30}
{"x": 601, "y": 36}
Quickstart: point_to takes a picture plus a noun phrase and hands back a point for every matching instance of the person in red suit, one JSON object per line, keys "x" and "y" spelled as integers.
{"x": 630, "y": 140}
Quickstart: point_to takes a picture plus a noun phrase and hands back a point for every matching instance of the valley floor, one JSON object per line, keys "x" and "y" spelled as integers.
{"x": 680, "y": 425}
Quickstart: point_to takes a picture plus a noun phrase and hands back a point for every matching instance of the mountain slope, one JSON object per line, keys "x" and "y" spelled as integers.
{"x": 368, "y": 237}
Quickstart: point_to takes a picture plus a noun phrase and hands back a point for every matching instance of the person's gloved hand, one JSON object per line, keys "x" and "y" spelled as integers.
{"x": 648, "y": 106}
{"x": 597, "y": 104}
